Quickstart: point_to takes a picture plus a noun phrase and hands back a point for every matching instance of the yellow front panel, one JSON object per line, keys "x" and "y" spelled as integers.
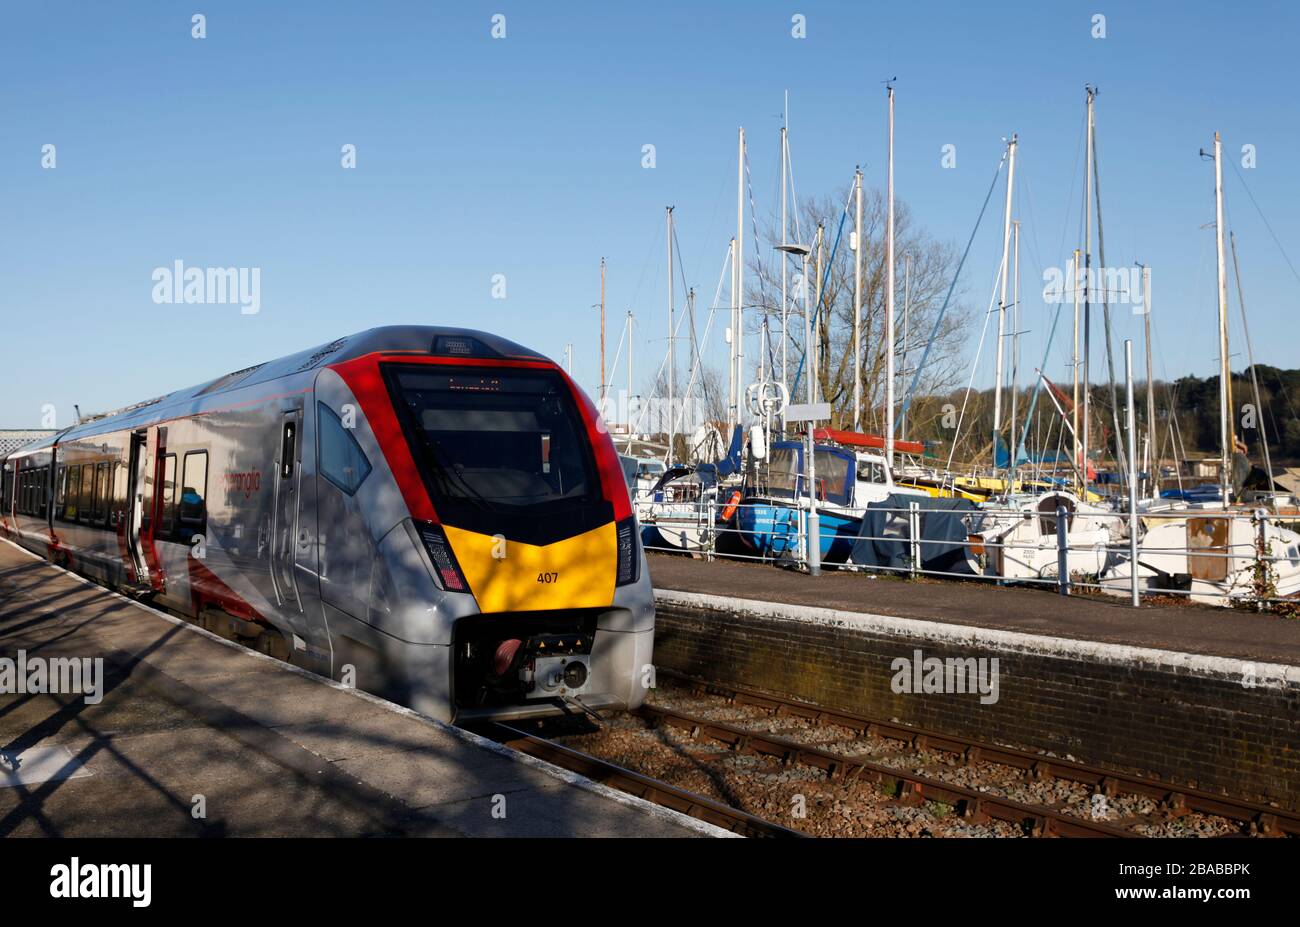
{"x": 508, "y": 576}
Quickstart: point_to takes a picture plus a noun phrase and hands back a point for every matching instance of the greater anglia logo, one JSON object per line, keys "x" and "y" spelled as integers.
{"x": 246, "y": 483}
{"x": 104, "y": 880}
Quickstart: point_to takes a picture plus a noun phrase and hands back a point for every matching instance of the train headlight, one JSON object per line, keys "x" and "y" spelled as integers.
{"x": 629, "y": 554}
{"x": 446, "y": 569}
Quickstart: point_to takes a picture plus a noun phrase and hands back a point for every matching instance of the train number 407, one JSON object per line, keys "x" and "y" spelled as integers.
{"x": 548, "y": 577}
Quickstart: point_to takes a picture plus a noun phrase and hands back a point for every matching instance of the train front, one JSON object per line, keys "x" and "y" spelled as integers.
{"x": 517, "y": 498}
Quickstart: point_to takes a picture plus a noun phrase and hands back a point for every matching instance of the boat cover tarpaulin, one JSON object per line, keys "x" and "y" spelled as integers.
{"x": 884, "y": 540}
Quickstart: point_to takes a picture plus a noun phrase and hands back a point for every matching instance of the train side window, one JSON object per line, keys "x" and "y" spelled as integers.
{"x": 73, "y": 503}
{"x": 6, "y": 489}
{"x": 342, "y": 461}
{"x": 87, "y": 491}
{"x": 99, "y": 507}
{"x": 194, "y": 492}
{"x": 169, "y": 495}
{"x": 60, "y": 491}
{"x": 117, "y": 511}
{"x": 45, "y": 493}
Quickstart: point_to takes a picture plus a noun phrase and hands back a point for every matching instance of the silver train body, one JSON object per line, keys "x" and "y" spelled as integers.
{"x": 433, "y": 515}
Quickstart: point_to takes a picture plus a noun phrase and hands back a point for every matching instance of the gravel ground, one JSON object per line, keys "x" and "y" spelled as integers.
{"x": 803, "y": 798}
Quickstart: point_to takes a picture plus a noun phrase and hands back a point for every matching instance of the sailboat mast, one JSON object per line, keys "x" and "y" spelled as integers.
{"x": 629, "y": 381}
{"x": 671, "y": 359}
{"x": 889, "y": 291}
{"x": 785, "y": 258}
{"x": 738, "y": 334}
{"x": 731, "y": 343}
{"x": 815, "y": 370}
{"x": 1153, "y": 464}
{"x": 857, "y": 305}
{"x": 1002, "y": 298}
{"x": 1087, "y": 294}
{"x": 602, "y": 335}
{"x": 907, "y": 328}
{"x": 1074, "y": 367}
{"x": 1225, "y": 397}
{"x": 1015, "y": 343}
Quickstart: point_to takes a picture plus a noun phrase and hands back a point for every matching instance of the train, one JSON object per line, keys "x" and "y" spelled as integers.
{"x": 434, "y": 515}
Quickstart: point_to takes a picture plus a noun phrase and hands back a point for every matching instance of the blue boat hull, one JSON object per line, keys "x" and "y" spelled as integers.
{"x": 773, "y": 530}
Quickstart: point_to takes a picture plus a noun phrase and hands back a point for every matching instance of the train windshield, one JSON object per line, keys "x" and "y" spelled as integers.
{"x": 500, "y": 441}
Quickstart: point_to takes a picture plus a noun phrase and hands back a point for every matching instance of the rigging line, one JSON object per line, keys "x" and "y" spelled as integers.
{"x": 794, "y": 194}
{"x": 934, "y": 331}
{"x": 1069, "y": 201}
{"x": 956, "y": 438}
{"x": 1033, "y": 402}
{"x": 708, "y": 326}
{"x": 663, "y": 365}
{"x": 654, "y": 247}
{"x": 695, "y": 345}
{"x": 1250, "y": 356}
{"x": 1122, "y": 458}
{"x": 766, "y": 325}
{"x": 618, "y": 353}
{"x": 758, "y": 250}
{"x": 1276, "y": 240}
{"x": 1281, "y": 382}
{"x": 821, "y": 290}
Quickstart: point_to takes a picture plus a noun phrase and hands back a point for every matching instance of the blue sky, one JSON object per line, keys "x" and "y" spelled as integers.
{"x": 522, "y": 157}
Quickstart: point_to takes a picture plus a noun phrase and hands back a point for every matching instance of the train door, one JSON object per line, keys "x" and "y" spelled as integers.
{"x": 137, "y": 462}
{"x": 284, "y": 513}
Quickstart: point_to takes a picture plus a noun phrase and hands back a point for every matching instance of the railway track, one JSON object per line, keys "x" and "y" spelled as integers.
{"x": 910, "y": 787}
{"x": 634, "y": 783}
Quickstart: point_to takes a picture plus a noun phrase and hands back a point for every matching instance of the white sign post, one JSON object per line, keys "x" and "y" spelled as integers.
{"x": 810, "y": 412}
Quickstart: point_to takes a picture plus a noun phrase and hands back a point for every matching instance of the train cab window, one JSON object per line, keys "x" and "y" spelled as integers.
{"x": 192, "y": 511}
{"x": 6, "y": 489}
{"x": 73, "y": 503}
{"x": 168, "y": 496}
{"x": 87, "y": 492}
{"x": 503, "y": 441}
{"x": 99, "y": 504}
{"x": 342, "y": 461}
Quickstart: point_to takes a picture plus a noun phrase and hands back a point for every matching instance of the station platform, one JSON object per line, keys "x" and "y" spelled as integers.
{"x": 194, "y": 735}
{"x": 1184, "y": 693}
{"x": 1182, "y": 628}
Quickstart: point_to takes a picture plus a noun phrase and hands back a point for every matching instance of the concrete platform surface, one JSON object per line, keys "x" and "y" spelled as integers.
{"x": 1185, "y": 628}
{"x": 196, "y": 736}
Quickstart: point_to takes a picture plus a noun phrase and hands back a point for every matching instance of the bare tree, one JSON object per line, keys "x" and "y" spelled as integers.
{"x": 932, "y": 267}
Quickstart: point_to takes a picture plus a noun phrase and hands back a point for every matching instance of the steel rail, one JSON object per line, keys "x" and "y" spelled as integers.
{"x": 634, "y": 783}
{"x": 909, "y": 788}
{"x": 1179, "y": 799}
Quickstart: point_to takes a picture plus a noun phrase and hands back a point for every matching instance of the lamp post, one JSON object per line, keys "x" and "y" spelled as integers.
{"x": 813, "y": 540}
